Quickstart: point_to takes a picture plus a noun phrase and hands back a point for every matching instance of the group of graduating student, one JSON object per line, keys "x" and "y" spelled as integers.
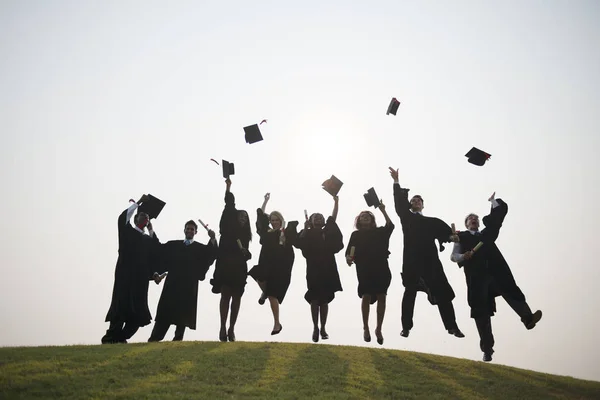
{"x": 142, "y": 258}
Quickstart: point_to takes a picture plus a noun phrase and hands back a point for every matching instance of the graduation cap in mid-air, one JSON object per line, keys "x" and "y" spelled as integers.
{"x": 153, "y": 206}
{"x": 477, "y": 157}
{"x": 332, "y": 185}
{"x": 252, "y": 134}
{"x": 228, "y": 169}
{"x": 371, "y": 198}
{"x": 393, "y": 107}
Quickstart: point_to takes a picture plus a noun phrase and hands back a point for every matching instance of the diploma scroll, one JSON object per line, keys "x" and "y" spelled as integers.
{"x": 478, "y": 246}
{"x": 352, "y": 249}
{"x": 240, "y": 244}
{"x": 203, "y": 225}
{"x": 306, "y": 215}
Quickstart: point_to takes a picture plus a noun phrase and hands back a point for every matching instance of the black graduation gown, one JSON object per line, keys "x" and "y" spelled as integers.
{"x": 422, "y": 269}
{"x": 133, "y": 272}
{"x": 487, "y": 273}
{"x": 319, "y": 247}
{"x": 276, "y": 260}
{"x": 231, "y": 269}
{"x": 371, "y": 259}
{"x": 186, "y": 266}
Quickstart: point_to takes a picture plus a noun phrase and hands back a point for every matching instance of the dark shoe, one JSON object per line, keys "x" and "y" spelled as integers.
{"x": 231, "y": 336}
{"x": 456, "y": 332}
{"x": 222, "y": 336}
{"x": 177, "y": 339}
{"x": 315, "y": 337}
{"x": 108, "y": 340}
{"x": 535, "y": 318}
{"x": 405, "y": 332}
{"x": 151, "y": 339}
{"x": 367, "y": 335}
{"x": 379, "y": 337}
{"x": 487, "y": 355}
{"x": 262, "y": 299}
{"x": 324, "y": 334}
{"x": 276, "y": 331}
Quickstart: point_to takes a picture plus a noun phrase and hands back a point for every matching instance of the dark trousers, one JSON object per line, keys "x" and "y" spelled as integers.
{"x": 120, "y": 332}
{"x": 160, "y": 330}
{"x": 446, "y": 310}
{"x": 484, "y": 324}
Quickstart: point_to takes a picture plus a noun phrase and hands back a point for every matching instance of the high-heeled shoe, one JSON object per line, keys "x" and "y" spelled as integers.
{"x": 315, "y": 337}
{"x": 379, "y": 337}
{"x": 231, "y": 336}
{"x": 276, "y": 331}
{"x": 367, "y": 335}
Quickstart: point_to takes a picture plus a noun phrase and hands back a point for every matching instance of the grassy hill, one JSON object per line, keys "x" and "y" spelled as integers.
{"x": 266, "y": 370}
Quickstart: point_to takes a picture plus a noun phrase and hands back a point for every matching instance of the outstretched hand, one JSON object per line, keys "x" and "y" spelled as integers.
{"x": 211, "y": 234}
{"x": 349, "y": 260}
{"x": 394, "y": 174}
{"x": 267, "y": 196}
{"x": 381, "y": 206}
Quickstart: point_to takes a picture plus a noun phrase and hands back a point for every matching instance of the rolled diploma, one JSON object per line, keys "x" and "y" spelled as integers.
{"x": 352, "y": 251}
{"x": 305, "y": 214}
{"x": 478, "y": 246}
{"x": 240, "y": 244}
{"x": 453, "y": 229}
{"x": 203, "y": 224}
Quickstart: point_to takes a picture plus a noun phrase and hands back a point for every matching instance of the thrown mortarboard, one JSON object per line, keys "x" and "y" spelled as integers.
{"x": 252, "y": 134}
{"x": 332, "y": 185}
{"x": 228, "y": 169}
{"x": 371, "y": 198}
{"x": 153, "y": 206}
{"x": 477, "y": 157}
{"x": 393, "y": 107}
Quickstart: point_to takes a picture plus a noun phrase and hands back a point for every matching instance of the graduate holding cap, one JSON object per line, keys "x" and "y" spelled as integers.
{"x": 422, "y": 269}
{"x": 368, "y": 248}
{"x": 231, "y": 269}
{"x": 135, "y": 268}
{"x": 488, "y": 275}
{"x": 319, "y": 242}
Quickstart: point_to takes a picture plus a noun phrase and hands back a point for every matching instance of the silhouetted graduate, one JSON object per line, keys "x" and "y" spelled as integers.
{"x": 133, "y": 272}
{"x": 187, "y": 262}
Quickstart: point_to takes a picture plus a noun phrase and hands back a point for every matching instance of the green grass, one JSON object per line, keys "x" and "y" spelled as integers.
{"x": 266, "y": 370}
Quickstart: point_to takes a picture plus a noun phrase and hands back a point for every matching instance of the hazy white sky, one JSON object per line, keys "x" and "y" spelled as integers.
{"x": 104, "y": 101}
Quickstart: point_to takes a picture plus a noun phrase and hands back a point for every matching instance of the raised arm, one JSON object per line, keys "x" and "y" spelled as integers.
{"x": 264, "y": 204}
{"x": 334, "y": 213}
{"x": 401, "y": 202}
{"x": 388, "y": 221}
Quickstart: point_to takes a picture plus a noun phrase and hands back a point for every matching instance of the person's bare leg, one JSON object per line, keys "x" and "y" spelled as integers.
{"x": 224, "y": 310}
{"x": 314, "y": 310}
{"x": 365, "y": 306}
{"x": 381, "y": 300}
{"x": 324, "y": 310}
{"x": 275, "y": 309}
{"x": 236, "y": 301}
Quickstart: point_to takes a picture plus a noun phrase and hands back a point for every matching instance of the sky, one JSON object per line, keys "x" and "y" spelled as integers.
{"x": 101, "y": 102}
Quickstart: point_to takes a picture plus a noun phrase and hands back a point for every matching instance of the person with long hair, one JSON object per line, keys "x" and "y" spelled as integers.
{"x": 231, "y": 270}
{"x": 368, "y": 249}
{"x": 319, "y": 242}
{"x": 274, "y": 270}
